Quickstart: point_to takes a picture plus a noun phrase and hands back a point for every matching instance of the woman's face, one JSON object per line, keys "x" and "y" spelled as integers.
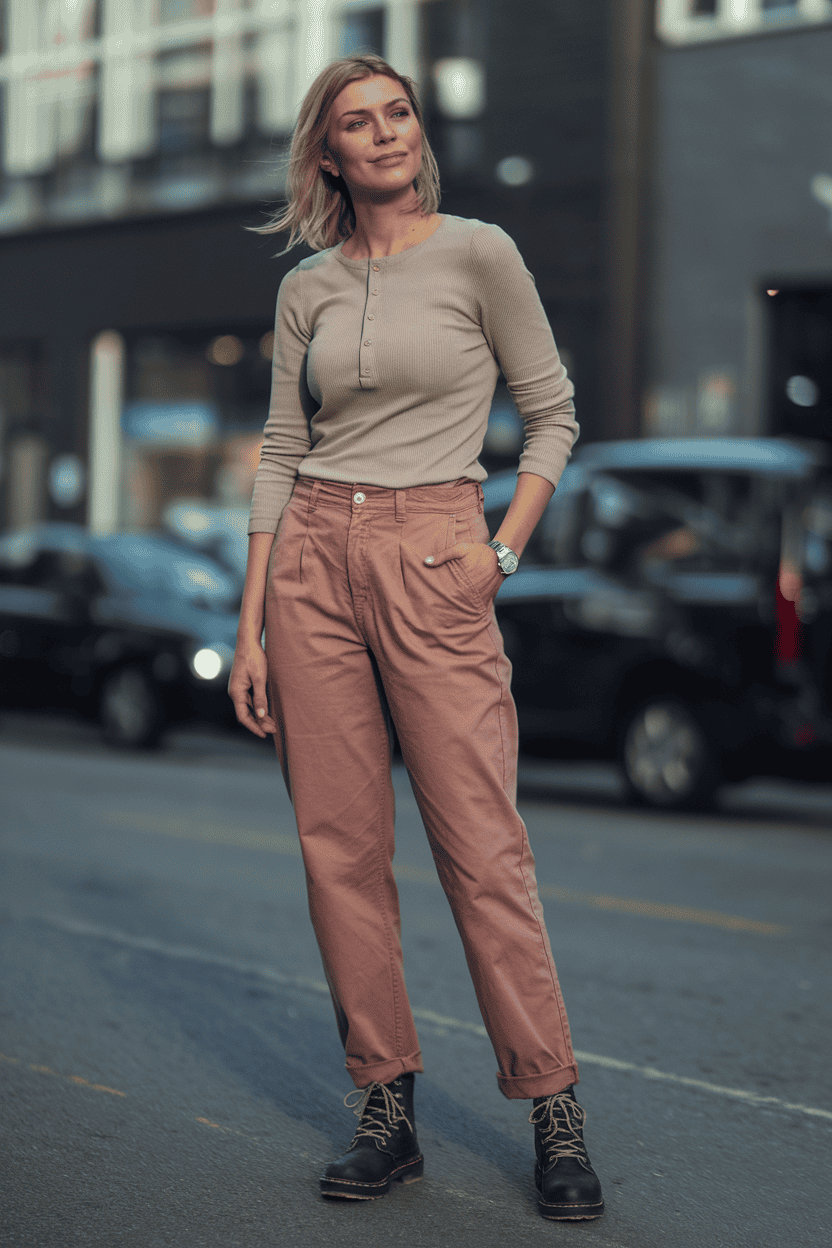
{"x": 374, "y": 139}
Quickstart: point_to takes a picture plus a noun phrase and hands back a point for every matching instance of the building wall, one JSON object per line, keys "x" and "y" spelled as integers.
{"x": 741, "y": 133}
{"x": 549, "y": 66}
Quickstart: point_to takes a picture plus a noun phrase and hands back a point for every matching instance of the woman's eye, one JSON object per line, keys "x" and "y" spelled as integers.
{"x": 400, "y": 112}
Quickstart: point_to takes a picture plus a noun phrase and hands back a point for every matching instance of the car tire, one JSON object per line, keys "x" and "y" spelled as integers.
{"x": 666, "y": 756}
{"x": 130, "y": 709}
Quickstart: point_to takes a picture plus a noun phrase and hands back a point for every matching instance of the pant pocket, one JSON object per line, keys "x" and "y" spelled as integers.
{"x": 285, "y": 561}
{"x": 470, "y": 529}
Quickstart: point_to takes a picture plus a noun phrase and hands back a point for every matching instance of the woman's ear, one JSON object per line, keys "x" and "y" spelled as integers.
{"x": 328, "y": 164}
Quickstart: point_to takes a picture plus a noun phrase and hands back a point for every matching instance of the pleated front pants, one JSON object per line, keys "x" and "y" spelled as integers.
{"x": 354, "y": 618}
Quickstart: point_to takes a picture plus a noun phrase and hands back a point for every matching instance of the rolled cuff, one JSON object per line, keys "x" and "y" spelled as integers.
{"x": 525, "y": 1087}
{"x": 364, "y": 1074}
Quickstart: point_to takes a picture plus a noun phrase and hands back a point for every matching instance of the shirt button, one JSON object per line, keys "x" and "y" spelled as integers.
{"x": 375, "y": 292}
{"x": 359, "y": 497}
{"x": 365, "y": 370}
{"x": 371, "y": 317}
{"x": 368, "y": 342}
{"x": 375, "y": 268}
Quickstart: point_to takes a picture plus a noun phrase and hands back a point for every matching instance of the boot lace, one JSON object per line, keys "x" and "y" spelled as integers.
{"x": 560, "y": 1120}
{"x": 378, "y": 1110}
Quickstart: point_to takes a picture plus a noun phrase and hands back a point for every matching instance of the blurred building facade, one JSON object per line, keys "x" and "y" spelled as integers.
{"x": 659, "y": 165}
{"x": 141, "y": 136}
{"x": 737, "y": 332}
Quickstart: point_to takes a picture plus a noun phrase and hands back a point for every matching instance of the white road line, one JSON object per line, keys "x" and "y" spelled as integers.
{"x": 150, "y": 945}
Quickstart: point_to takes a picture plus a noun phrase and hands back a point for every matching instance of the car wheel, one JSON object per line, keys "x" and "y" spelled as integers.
{"x": 667, "y": 759}
{"x": 130, "y": 709}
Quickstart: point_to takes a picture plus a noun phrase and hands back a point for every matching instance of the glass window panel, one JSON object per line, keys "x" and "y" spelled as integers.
{"x": 193, "y": 424}
{"x": 183, "y": 120}
{"x": 184, "y": 10}
{"x": 362, "y": 31}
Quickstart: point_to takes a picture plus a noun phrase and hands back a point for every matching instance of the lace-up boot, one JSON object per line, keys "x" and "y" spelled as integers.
{"x": 384, "y": 1149}
{"x": 568, "y": 1186}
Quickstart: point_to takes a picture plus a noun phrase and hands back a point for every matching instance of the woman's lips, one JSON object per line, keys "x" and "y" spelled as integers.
{"x": 389, "y": 158}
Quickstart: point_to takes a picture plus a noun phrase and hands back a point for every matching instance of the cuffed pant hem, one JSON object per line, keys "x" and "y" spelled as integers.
{"x": 386, "y": 1072}
{"x": 524, "y": 1087}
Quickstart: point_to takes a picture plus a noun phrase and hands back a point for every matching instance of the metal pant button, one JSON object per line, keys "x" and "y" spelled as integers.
{"x": 359, "y": 497}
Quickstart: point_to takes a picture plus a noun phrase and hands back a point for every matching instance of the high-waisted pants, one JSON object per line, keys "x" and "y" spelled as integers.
{"x": 357, "y": 622}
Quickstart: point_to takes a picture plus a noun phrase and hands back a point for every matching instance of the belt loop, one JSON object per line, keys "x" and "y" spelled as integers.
{"x": 313, "y": 496}
{"x": 480, "y": 498}
{"x": 401, "y": 506}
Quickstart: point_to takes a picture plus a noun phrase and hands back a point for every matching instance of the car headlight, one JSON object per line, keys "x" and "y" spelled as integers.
{"x": 209, "y": 662}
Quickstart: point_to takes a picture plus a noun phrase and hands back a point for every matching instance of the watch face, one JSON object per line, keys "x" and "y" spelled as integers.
{"x": 509, "y": 563}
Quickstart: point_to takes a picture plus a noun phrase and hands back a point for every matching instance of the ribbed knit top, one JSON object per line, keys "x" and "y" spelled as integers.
{"x": 384, "y": 369}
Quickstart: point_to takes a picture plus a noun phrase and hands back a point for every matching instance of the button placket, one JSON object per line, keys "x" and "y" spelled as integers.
{"x": 367, "y": 364}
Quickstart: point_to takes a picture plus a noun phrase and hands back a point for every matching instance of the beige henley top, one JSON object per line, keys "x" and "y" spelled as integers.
{"x": 384, "y": 369}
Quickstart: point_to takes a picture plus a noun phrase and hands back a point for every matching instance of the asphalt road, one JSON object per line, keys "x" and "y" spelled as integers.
{"x": 170, "y": 1069}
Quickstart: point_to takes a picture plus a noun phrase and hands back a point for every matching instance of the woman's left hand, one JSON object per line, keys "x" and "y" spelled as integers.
{"x": 480, "y": 562}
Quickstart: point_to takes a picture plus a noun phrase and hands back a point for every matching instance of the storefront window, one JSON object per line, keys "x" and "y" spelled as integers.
{"x": 192, "y": 421}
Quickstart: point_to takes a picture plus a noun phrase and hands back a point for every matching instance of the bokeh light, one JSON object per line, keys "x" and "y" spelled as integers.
{"x": 226, "y": 350}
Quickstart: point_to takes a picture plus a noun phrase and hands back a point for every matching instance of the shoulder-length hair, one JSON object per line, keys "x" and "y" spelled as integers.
{"x": 319, "y": 209}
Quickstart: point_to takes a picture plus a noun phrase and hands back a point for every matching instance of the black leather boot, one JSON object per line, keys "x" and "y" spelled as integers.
{"x": 568, "y": 1186}
{"x": 384, "y": 1148}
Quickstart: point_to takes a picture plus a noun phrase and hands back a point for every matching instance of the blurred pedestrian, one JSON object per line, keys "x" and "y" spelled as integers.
{"x": 371, "y": 565}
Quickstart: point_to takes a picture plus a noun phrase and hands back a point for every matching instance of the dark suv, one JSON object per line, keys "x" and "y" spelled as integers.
{"x": 673, "y": 610}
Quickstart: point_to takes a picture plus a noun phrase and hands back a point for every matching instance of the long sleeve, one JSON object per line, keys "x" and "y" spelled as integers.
{"x": 287, "y": 438}
{"x": 518, "y": 333}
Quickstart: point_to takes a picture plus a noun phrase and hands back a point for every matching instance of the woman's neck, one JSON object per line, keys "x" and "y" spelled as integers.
{"x": 387, "y": 229}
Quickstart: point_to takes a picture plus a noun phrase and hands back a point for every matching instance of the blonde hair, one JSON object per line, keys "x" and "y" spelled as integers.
{"x": 319, "y": 209}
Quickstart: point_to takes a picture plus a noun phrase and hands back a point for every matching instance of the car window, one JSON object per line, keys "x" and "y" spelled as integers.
{"x": 24, "y": 560}
{"x": 651, "y": 524}
{"x": 147, "y": 565}
{"x": 18, "y": 552}
{"x": 817, "y": 526}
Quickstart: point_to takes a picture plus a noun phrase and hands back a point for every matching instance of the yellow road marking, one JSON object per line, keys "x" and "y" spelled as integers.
{"x": 655, "y": 910}
{"x": 47, "y": 1070}
{"x": 283, "y": 843}
{"x": 206, "y": 833}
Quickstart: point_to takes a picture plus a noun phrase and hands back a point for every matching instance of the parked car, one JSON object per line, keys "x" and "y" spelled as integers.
{"x": 133, "y": 629}
{"x": 673, "y": 610}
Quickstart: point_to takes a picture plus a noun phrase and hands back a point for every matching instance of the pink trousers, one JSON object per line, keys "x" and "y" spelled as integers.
{"x": 354, "y": 617}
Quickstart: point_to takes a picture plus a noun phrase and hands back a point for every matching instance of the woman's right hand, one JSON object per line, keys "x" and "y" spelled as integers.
{"x": 247, "y": 689}
{"x": 247, "y": 682}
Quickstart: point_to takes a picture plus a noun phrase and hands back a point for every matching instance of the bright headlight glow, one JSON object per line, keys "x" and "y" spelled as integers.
{"x": 207, "y": 664}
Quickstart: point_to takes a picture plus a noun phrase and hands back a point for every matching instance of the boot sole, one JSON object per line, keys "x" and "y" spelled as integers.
{"x": 569, "y": 1213}
{"x": 351, "y": 1189}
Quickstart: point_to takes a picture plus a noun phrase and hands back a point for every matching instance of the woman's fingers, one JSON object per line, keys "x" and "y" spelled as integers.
{"x": 261, "y": 706}
{"x": 459, "y": 551}
{"x": 247, "y": 690}
{"x": 480, "y": 563}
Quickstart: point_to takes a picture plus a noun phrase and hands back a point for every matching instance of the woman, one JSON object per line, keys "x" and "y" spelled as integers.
{"x": 377, "y": 592}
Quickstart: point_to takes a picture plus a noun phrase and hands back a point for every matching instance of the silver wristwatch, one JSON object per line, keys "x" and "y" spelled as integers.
{"x": 506, "y": 557}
